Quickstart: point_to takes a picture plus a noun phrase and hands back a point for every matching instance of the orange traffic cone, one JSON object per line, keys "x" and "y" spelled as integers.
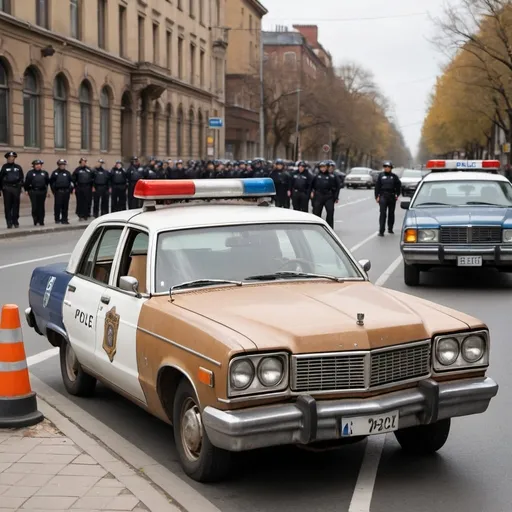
{"x": 18, "y": 404}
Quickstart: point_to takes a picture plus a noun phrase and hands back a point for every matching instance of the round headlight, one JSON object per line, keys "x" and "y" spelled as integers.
{"x": 427, "y": 235}
{"x": 242, "y": 374}
{"x": 473, "y": 349}
{"x": 447, "y": 351}
{"x": 270, "y": 371}
{"x": 507, "y": 236}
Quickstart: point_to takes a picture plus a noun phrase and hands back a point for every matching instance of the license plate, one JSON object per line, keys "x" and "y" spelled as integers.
{"x": 469, "y": 261}
{"x": 369, "y": 425}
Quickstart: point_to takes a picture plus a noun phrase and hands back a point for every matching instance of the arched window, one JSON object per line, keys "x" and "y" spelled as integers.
{"x": 104, "y": 119}
{"x": 168, "y": 127}
{"x": 200, "y": 134}
{"x": 179, "y": 132}
{"x": 60, "y": 98}
{"x": 4, "y": 104}
{"x": 191, "y": 133}
{"x": 85, "y": 98}
{"x": 31, "y": 109}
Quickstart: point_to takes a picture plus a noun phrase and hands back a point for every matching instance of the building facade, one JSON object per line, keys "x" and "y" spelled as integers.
{"x": 243, "y": 20}
{"x": 110, "y": 78}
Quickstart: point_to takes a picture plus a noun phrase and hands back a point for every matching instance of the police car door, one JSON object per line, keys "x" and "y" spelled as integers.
{"x": 118, "y": 316}
{"x": 84, "y": 292}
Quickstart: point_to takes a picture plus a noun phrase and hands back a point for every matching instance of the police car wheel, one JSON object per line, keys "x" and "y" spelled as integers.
{"x": 411, "y": 275}
{"x": 76, "y": 381}
{"x": 424, "y": 439}
{"x": 199, "y": 458}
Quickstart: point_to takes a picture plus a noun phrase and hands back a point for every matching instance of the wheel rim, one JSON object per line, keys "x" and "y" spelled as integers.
{"x": 191, "y": 429}
{"x": 72, "y": 364}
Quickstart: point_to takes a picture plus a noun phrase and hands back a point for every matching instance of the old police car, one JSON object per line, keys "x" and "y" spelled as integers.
{"x": 248, "y": 326}
{"x": 459, "y": 216}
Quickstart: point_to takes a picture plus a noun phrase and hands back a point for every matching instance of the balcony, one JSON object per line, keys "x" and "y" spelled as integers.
{"x": 219, "y": 38}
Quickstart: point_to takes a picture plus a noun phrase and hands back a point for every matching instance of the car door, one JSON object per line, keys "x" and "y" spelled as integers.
{"x": 118, "y": 317}
{"x": 84, "y": 292}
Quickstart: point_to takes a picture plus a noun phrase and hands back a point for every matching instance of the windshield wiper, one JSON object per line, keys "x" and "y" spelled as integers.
{"x": 483, "y": 203}
{"x": 202, "y": 282}
{"x": 433, "y": 204}
{"x": 291, "y": 274}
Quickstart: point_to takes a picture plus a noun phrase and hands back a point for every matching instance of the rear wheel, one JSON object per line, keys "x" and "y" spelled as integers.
{"x": 411, "y": 275}
{"x": 76, "y": 381}
{"x": 424, "y": 439}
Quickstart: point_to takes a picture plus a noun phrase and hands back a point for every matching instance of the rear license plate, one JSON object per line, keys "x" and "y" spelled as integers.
{"x": 369, "y": 425}
{"x": 469, "y": 261}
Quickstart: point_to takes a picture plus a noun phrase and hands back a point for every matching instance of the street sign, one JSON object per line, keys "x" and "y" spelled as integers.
{"x": 326, "y": 148}
{"x": 215, "y": 122}
{"x": 210, "y": 151}
{"x": 506, "y": 147}
{"x": 209, "y": 140}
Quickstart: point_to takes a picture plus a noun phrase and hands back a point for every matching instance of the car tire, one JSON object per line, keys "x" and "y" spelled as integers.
{"x": 424, "y": 439}
{"x": 203, "y": 463}
{"x": 411, "y": 275}
{"x": 76, "y": 381}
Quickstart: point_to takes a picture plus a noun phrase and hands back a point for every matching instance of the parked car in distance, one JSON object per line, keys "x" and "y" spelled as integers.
{"x": 410, "y": 179}
{"x": 359, "y": 177}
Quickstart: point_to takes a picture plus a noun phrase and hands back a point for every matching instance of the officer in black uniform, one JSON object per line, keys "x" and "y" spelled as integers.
{"x": 324, "y": 192}
{"x": 101, "y": 186}
{"x": 119, "y": 183}
{"x": 134, "y": 173}
{"x": 83, "y": 179}
{"x": 36, "y": 186}
{"x": 282, "y": 184}
{"x": 301, "y": 188}
{"x": 387, "y": 190}
{"x": 11, "y": 181}
{"x": 150, "y": 170}
{"x": 258, "y": 171}
{"x": 61, "y": 185}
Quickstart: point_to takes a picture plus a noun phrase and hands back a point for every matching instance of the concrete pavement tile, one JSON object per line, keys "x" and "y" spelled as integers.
{"x": 83, "y": 481}
{"x": 20, "y": 491}
{"x": 118, "y": 468}
{"x": 100, "y": 455}
{"x": 4, "y": 466}
{"x": 57, "y": 441}
{"x": 11, "y": 478}
{"x": 93, "y": 502}
{"x": 109, "y": 481}
{"x": 56, "y": 450}
{"x": 34, "y": 480}
{"x": 4, "y": 488}
{"x": 83, "y": 470}
{"x": 12, "y": 503}
{"x": 123, "y": 503}
{"x": 10, "y": 457}
{"x": 49, "y": 503}
{"x": 101, "y": 492}
{"x": 38, "y": 469}
{"x": 39, "y": 458}
{"x": 18, "y": 446}
{"x": 84, "y": 459}
{"x": 76, "y": 491}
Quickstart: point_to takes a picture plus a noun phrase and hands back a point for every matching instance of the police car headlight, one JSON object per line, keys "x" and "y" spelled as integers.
{"x": 242, "y": 374}
{"x": 270, "y": 371}
{"x": 428, "y": 235}
{"x": 473, "y": 348}
{"x": 507, "y": 236}
{"x": 461, "y": 351}
{"x": 447, "y": 351}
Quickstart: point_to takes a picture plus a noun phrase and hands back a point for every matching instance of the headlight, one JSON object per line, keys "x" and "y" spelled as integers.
{"x": 270, "y": 371}
{"x": 428, "y": 235}
{"x": 507, "y": 236}
{"x": 242, "y": 374}
{"x": 473, "y": 348}
{"x": 448, "y": 351}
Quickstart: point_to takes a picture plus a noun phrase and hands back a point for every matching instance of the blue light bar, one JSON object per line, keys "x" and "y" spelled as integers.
{"x": 259, "y": 187}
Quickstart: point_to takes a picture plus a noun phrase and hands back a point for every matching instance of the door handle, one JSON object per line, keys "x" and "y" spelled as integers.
{"x": 105, "y": 299}
{"x": 71, "y": 288}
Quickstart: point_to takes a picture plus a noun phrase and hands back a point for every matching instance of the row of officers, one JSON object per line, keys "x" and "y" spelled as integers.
{"x": 96, "y": 187}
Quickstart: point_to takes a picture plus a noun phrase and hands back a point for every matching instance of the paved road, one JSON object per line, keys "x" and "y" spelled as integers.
{"x": 471, "y": 473}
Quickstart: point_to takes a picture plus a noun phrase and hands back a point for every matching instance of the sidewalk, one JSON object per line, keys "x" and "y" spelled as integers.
{"x": 42, "y": 468}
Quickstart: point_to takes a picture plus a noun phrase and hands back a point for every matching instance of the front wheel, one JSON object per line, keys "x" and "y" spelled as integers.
{"x": 424, "y": 439}
{"x": 411, "y": 275}
{"x": 199, "y": 458}
{"x": 76, "y": 381}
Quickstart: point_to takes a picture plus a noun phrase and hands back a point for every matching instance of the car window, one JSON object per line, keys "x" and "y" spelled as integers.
{"x": 238, "y": 252}
{"x": 359, "y": 171}
{"x": 410, "y": 173}
{"x": 134, "y": 258}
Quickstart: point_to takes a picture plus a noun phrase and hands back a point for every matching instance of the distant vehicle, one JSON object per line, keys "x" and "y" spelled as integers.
{"x": 410, "y": 179}
{"x": 359, "y": 177}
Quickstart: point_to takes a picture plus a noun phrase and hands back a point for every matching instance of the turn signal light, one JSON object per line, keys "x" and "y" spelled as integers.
{"x": 410, "y": 236}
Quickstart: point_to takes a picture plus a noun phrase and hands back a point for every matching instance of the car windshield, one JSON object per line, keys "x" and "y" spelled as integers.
{"x": 359, "y": 171}
{"x": 464, "y": 193}
{"x": 411, "y": 173}
{"x": 249, "y": 253}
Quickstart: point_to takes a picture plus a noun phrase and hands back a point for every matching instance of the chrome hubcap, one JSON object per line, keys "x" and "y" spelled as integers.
{"x": 191, "y": 429}
{"x": 71, "y": 363}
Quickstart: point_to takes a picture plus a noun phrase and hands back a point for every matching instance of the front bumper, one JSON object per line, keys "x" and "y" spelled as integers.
{"x": 408, "y": 191}
{"x": 446, "y": 255}
{"x": 359, "y": 183}
{"x": 308, "y": 420}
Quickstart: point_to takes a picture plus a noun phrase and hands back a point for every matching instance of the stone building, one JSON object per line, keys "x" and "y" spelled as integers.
{"x": 110, "y": 78}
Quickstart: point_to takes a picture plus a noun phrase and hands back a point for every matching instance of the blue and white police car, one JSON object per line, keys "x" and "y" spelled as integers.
{"x": 460, "y": 215}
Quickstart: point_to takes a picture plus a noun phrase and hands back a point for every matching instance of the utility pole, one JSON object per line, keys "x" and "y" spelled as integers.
{"x": 262, "y": 100}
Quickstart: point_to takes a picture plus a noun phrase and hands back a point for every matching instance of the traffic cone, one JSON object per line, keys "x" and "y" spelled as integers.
{"x": 18, "y": 404}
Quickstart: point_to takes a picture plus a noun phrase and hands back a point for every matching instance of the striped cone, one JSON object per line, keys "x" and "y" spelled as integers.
{"x": 18, "y": 404}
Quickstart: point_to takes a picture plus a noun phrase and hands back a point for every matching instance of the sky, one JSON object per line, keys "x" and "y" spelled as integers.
{"x": 395, "y": 45}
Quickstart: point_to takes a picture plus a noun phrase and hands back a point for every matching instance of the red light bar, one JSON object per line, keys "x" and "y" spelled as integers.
{"x": 436, "y": 164}
{"x": 491, "y": 164}
{"x": 154, "y": 189}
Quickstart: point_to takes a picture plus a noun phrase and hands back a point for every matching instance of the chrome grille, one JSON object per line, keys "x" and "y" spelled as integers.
{"x": 470, "y": 235}
{"x": 360, "y": 370}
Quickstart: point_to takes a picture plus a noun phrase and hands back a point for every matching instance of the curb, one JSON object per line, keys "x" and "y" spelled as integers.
{"x": 19, "y": 233}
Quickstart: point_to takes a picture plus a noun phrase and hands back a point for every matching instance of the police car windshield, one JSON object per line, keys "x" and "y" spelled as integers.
{"x": 359, "y": 171}
{"x": 464, "y": 193}
{"x": 234, "y": 253}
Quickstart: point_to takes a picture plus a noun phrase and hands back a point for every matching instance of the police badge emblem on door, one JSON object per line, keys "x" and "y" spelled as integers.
{"x": 110, "y": 333}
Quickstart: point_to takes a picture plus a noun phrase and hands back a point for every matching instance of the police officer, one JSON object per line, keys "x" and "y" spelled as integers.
{"x": 324, "y": 192}
{"x": 101, "y": 186}
{"x": 83, "y": 179}
{"x": 301, "y": 188}
{"x": 134, "y": 173}
{"x": 119, "y": 180}
{"x": 150, "y": 170}
{"x": 61, "y": 185}
{"x": 282, "y": 184}
{"x": 258, "y": 171}
{"x": 36, "y": 186}
{"x": 387, "y": 190}
{"x": 11, "y": 181}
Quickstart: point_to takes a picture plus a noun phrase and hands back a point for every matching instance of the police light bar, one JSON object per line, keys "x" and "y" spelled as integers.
{"x": 222, "y": 188}
{"x": 462, "y": 165}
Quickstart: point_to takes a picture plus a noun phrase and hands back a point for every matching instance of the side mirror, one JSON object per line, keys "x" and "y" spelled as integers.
{"x": 405, "y": 204}
{"x": 366, "y": 264}
{"x": 129, "y": 284}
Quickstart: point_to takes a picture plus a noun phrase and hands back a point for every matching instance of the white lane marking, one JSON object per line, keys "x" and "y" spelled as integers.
{"x": 17, "y": 264}
{"x": 42, "y": 356}
{"x": 363, "y": 491}
{"x": 352, "y": 202}
{"x": 366, "y": 240}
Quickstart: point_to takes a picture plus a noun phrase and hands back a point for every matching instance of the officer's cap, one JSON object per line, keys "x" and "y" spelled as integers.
{"x": 83, "y": 159}
{"x": 11, "y": 153}
{"x": 388, "y": 164}
{"x": 179, "y": 162}
{"x": 322, "y": 164}
{"x": 134, "y": 158}
{"x": 61, "y": 161}
{"x": 119, "y": 162}
{"x": 101, "y": 161}
{"x": 37, "y": 162}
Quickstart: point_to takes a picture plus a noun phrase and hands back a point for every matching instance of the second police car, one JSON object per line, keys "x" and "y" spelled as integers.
{"x": 460, "y": 216}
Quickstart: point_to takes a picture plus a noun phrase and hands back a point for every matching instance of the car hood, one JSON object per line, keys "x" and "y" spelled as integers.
{"x": 463, "y": 216}
{"x": 410, "y": 181}
{"x": 321, "y": 316}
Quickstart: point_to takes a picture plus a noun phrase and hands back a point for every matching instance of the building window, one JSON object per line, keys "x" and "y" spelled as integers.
{"x": 192, "y": 64}
{"x": 5, "y": 6}
{"x": 168, "y": 49}
{"x": 156, "y": 46}
{"x": 104, "y": 119}
{"x": 201, "y": 68}
{"x": 31, "y": 109}
{"x": 191, "y": 133}
{"x": 42, "y": 13}
{"x": 85, "y": 98}
{"x": 250, "y": 22}
{"x": 179, "y": 132}
{"x": 102, "y": 24}
{"x": 168, "y": 128}
{"x": 180, "y": 57}
{"x": 60, "y": 98}
{"x": 4, "y": 104}
{"x": 75, "y": 10}
{"x": 122, "y": 31}
{"x": 217, "y": 12}
{"x": 200, "y": 135}
{"x": 201, "y": 12}
{"x": 290, "y": 59}
{"x": 141, "y": 38}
